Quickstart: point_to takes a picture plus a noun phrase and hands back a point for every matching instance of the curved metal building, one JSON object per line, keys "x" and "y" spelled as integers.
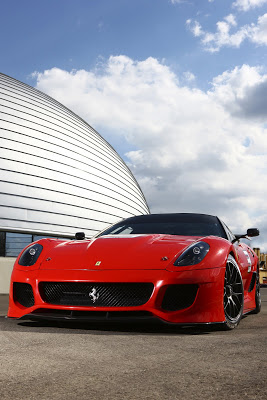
{"x": 57, "y": 174}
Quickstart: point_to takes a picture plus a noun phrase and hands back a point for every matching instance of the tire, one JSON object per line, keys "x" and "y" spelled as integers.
{"x": 257, "y": 295}
{"x": 233, "y": 299}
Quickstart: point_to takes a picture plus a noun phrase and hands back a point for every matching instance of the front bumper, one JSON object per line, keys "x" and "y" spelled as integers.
{"x": 206, "y": 307}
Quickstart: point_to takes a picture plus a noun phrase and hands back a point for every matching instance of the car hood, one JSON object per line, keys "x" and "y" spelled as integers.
{"x": 117, "y": 252}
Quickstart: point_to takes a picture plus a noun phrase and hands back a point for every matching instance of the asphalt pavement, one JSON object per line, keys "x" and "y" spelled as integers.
{"x": 132, "y": 361}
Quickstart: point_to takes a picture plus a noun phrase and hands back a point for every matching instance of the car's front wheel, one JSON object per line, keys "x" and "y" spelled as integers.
{"x": 233, "y": 299}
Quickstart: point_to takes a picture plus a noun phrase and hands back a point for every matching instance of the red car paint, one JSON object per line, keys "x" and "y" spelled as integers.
{"x": 138, "y": 258}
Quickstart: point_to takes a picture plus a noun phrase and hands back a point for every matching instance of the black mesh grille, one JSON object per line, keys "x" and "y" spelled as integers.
{"x": 23, "y": 294}
{"x": 96, "y": 294}
{"x": 178, "y": 297}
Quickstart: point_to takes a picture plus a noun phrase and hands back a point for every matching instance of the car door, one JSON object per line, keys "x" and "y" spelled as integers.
{"x": 245, "y": 261}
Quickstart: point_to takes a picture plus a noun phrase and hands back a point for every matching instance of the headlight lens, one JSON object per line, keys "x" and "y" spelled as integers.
{"x": 30, "y": 255}
{"x": 193, "y": 254}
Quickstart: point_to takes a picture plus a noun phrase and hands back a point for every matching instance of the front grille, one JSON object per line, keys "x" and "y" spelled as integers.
{"x": 23, "y": 294}
{"x": 178, "y": 297}
{"x": 96, "y": 294}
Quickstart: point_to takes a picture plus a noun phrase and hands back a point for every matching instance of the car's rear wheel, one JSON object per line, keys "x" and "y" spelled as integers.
{"x": 257, "y": 295}
{"x": 233, "y": 298}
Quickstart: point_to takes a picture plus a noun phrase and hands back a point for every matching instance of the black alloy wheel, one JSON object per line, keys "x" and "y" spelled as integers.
{"x": 233, "y": 299}
{"x": 257, "y": 294}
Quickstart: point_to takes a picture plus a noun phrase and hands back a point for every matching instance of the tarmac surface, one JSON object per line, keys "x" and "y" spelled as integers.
{"x": 132, "y": 361}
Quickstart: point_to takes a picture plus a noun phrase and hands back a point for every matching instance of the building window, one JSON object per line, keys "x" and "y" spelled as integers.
{"x": 2, "y": 244}
{"x": 11, "y": 243}
{"x": 15, "y": 242}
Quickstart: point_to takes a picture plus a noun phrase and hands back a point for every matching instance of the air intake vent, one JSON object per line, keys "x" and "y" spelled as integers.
{"x": 252, "y": 282}
{"x": 23, "y": 294}
{"x": 178, "y": 297}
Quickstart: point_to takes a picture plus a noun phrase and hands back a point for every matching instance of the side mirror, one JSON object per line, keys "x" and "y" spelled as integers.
{"x": 250, "y": 233}
{"x": 79, "y": 235}
{"x": 253, "y": 232}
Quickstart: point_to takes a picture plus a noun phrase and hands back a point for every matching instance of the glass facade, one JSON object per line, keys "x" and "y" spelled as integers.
{"x": 15, "y": 242}
{"x": 11, "y": 243}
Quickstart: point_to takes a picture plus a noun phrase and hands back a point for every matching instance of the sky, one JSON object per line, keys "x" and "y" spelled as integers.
{"x": 177, "y": 87}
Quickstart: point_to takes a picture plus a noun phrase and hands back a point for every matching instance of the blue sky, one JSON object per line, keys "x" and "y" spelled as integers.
{"x": 38, "y": 35}
{"x": 179, "y": 88}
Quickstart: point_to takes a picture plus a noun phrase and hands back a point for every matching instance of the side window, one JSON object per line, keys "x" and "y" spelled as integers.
{"x": 230, "y": 235}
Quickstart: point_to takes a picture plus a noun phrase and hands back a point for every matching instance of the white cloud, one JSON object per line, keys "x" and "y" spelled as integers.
{"x": 242, "y": 92}
{"x": 245, "y": 5}
{"x": 191, "y": 150}
{"x": 259, "y": 32}
{"x": 195, "y": 27}
{"x": 230, "y": 19}
{"x": 189, "y": 76}
{"x": 224, "y": 37}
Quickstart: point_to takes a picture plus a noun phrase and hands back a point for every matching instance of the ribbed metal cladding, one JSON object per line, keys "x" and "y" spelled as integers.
{"x": 96, "y": 294}
{"x": 178, "y": 297}
{"x": 57, "y": 174}
{"x": 23, "y": 294}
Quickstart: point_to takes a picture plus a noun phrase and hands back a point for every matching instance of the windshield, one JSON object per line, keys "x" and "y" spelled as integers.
{"x": 185, "y": 227}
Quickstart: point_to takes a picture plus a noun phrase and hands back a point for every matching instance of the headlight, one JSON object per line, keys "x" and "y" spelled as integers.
{"x": 30, "y": 255}
{"x": 193, "y": 254}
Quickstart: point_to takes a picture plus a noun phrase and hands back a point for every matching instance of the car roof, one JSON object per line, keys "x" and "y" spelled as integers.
{"x": 174, "y": 217}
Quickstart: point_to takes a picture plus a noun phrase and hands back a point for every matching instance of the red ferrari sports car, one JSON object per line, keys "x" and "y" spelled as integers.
{"x": 179, "y": 268}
